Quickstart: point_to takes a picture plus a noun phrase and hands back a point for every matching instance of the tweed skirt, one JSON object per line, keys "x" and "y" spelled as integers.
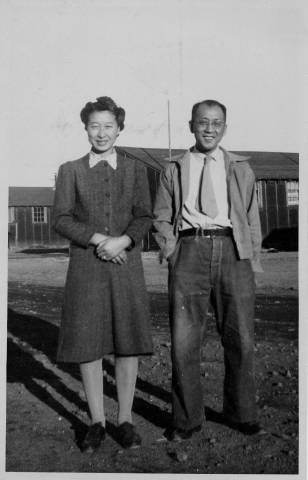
{"x": 106, "y": 309}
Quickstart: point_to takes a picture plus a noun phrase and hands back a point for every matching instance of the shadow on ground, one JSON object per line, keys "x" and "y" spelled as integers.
{"x": 275, "y": 318}
{"x": 33, "y": 322}
{"x": 29, "y": 334}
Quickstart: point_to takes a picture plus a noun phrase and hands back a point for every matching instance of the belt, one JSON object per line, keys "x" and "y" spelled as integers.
{"x": 212, "y": 232}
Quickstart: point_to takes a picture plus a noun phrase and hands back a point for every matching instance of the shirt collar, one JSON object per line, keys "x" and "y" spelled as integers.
{"x": 111, "y": 158}
{"x": 216, "y": 154}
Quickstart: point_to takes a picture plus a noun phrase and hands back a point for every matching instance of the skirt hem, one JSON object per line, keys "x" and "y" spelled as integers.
{"x": 92, "y": 359}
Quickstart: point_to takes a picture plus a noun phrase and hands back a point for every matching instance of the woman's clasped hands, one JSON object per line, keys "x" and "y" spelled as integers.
{"x": 113, "y": 248}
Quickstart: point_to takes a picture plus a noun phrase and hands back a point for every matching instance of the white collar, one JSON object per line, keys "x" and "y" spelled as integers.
{"x": 111, "y": 158}
{"x": 216, "y": 154}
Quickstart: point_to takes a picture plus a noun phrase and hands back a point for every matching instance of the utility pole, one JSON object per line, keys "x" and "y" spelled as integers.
{"x": 169, "y": 134}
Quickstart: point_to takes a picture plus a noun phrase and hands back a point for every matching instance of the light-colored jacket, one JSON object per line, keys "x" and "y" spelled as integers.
{"x": 242, "y": 198}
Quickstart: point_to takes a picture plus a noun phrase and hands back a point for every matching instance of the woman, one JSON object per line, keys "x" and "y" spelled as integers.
{"x": 102, "y": 205}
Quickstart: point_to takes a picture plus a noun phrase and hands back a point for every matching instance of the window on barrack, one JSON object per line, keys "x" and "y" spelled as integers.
{"x": 292, "y": 193}
{"x": 39, "y": 215}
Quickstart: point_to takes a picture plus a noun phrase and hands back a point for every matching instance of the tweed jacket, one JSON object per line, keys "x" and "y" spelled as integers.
{"x": 242, "y": 199}
{"x": 77, "y": 218}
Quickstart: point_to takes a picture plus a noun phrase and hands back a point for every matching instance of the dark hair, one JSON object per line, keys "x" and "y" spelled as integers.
{"x": 209, "y": 103}
{"x": 102, "y": 104}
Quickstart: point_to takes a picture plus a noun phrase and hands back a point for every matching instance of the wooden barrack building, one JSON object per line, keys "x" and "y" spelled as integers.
{"x": 277, "y": 182}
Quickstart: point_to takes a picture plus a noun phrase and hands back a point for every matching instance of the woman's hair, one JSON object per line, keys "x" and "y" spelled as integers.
{"x": 101, "y": 104}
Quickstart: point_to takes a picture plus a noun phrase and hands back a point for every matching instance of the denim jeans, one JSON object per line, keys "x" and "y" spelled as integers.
{"x": 201, "y": 270}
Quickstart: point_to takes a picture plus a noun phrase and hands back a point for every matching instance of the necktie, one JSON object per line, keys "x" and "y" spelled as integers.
{"x": 207, "y": 201}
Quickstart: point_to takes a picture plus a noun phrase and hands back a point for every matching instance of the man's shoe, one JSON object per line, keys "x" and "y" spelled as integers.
{"x": 248, "y": 428}
{"x": 127, "y": 436}
{"x": 178, "y": 435}
{"x": 94, "y": 436}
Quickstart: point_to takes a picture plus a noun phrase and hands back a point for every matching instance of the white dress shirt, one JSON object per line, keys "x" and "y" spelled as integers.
{"x": 191, "y": 216}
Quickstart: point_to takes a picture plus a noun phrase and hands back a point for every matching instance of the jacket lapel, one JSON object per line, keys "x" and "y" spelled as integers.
{"x": 84, "y": 164}
{"x": 184, "y": 163}
{"x": 81, "y": 169}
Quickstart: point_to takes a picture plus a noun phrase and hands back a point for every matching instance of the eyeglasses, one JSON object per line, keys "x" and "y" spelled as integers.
{"x": 217, "y": 124}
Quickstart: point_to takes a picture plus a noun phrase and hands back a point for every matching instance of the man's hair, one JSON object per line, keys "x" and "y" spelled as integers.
{"x": 209, "y": 103}
{"x": 103, "y": 104}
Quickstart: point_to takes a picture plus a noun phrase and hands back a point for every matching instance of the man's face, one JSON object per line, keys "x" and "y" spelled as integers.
{"x": 209, "y": 127}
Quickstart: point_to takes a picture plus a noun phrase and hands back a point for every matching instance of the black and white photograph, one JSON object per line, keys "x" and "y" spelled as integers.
{"x": 153, "y": 239}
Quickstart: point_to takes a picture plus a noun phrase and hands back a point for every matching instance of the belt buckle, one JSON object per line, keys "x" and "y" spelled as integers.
{"x": 205, "y": 236}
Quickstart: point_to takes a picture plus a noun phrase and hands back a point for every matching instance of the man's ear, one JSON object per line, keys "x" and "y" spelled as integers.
{"x": 191, "y": 126}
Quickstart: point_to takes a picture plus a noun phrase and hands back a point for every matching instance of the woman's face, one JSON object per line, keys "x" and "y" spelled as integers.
{"x": 102, "y": 130}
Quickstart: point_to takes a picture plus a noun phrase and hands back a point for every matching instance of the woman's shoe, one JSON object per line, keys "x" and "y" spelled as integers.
{"x": 127, "y": 436}
{"x": 94, "y": 436}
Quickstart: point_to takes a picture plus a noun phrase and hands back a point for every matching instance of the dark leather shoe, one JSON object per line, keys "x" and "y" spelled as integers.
{"x": 177, "y": 434}
{"x": 248, "y": 428}
{"x": 127, "y": 436}
{"x": 94, "y": 436}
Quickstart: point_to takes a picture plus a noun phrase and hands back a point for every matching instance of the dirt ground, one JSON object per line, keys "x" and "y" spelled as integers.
{"x": 46, "y": 408}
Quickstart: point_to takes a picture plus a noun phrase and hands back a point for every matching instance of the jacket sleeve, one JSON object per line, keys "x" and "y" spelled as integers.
{"x": 65, "y": 222}
{"x": 142, "y": 207}
{"x": 254, "y": 225}
{"x": 164, "y": 213}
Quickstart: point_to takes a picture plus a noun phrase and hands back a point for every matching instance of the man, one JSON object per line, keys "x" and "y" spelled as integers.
{"x": 208, "y": 227}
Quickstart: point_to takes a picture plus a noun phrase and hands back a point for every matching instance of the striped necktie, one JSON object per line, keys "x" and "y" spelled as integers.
{"x": 207, "y": 201}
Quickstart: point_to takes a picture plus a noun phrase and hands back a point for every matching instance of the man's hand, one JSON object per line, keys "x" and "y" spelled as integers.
{"x": 258, "y": 280}
{"x": 112, "y": 247}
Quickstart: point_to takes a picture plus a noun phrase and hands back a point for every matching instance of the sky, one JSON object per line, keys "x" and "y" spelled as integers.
{"x": 63, "y": 53}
